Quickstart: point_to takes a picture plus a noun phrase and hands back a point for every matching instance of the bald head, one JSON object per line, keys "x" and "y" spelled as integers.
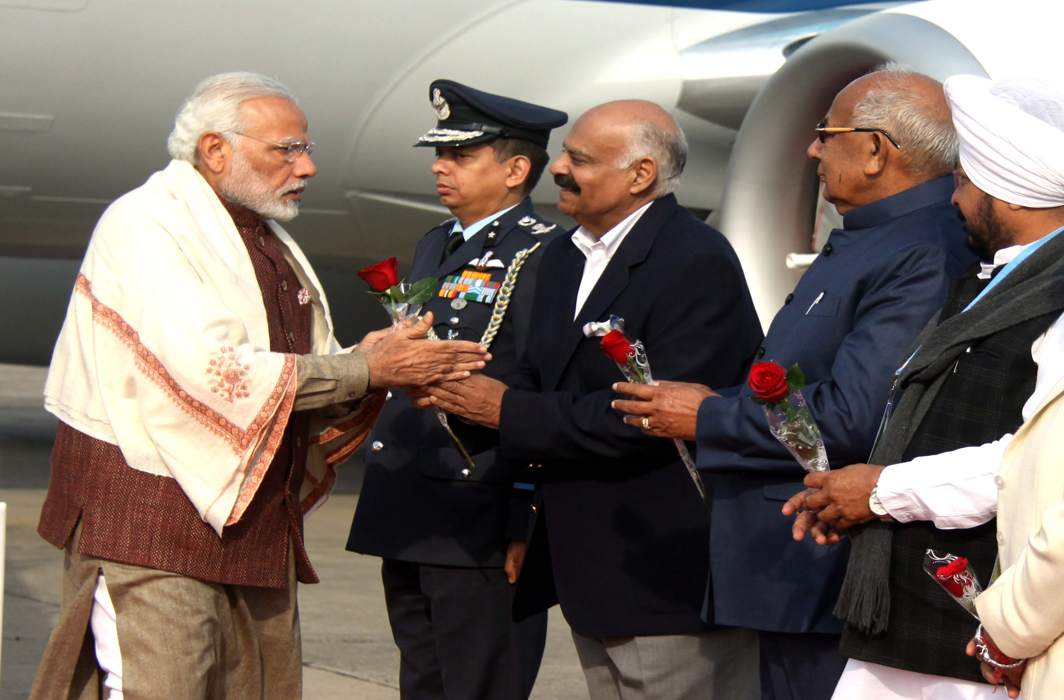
{"x": 618, "y": 157}
{"x": 912, "y": 108}
{"x": 650, "y": 132}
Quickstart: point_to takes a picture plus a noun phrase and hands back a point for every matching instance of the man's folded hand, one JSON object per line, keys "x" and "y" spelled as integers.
{"x": 406, "y": 357}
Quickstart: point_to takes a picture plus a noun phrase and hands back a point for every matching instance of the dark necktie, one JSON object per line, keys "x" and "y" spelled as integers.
{"x": 453, "y": 243}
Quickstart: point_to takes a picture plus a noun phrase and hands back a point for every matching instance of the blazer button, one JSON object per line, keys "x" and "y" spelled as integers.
{"x": 999, "y": 481}
{"x": 388, "y": 396}
{"x": 377, "y": 446}
{"x": 465, "y": 472}
{"x": 761, "y": 351}
{"x": 284, "y": 285}
{"x": 789, "y": 299}
{"x": 827, "y": 249}
{"x": 1001, "y": 538}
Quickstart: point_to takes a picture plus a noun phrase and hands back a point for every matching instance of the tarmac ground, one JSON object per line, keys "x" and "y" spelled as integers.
{"x": 348, "y": 651}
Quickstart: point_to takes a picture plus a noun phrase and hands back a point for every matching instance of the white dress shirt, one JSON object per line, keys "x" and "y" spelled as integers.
{"x": 599, "y": 252}
{"x": 958, "y": 489}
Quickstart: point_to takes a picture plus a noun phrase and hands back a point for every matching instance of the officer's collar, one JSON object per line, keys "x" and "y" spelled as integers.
{"x": 930, "y": 193}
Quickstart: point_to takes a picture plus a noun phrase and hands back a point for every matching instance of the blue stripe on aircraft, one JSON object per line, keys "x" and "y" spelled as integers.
{"x": 749, "y": 5}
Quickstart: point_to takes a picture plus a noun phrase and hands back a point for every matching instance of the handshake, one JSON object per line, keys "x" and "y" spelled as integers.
{"x": 404, "y": 357}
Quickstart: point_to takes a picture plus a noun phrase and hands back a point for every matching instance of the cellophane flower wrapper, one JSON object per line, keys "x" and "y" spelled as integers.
{"x": 789, "y": 419}
{"x": 791, "y": 422}
{"x": 636, "y": 370}
{"x": 403, "y": 301}
{"x": 955, "y": 576}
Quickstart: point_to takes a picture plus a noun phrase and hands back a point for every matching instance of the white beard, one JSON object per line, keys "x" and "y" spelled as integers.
{"x": 245, "y": 187}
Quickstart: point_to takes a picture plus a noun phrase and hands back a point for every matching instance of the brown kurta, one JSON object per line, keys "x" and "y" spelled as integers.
{"x": 133, "y": 517}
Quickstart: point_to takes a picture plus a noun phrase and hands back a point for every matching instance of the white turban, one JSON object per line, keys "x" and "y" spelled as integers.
{"x": 1011, "y": 135}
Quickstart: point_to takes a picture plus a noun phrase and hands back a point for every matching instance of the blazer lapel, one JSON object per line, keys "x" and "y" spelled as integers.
{"x": 632, "y": 251}
{"x": 557, "y": 322}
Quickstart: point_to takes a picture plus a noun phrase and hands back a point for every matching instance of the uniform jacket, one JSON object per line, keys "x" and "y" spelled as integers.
{"x": 624, "y": 528}
{"x": 1022, "y": 610}
{"x": 420, "y": 501}
{"x": 848, "y": 324}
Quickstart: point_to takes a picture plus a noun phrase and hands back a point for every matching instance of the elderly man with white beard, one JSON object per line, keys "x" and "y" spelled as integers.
{"x": 203, "y": 405}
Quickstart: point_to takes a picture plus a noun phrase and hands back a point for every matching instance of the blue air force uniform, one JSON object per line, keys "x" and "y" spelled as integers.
{"x": 441, "y": 523}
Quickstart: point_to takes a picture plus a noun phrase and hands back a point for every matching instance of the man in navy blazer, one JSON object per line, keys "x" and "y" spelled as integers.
{"x": 885, "y": 152}
{"x": 620, "y": 534}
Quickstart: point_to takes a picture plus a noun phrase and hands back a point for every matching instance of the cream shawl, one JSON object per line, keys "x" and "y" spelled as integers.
{"x": 164, "y": 351}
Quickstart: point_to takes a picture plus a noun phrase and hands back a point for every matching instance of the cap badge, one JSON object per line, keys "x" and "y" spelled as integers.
{"x": 443, "y": 110}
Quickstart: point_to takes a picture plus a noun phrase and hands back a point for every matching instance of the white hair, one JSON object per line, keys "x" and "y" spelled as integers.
{"x": 214, "y": 106}
{"x": 668, "y": 148}
{"x": 925, "y": 132}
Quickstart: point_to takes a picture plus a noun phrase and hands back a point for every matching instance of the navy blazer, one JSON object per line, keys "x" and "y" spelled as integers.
{"x": 419, "y": 502}
{"x": 849, "y": 324}
{"x": 625, "y": 528}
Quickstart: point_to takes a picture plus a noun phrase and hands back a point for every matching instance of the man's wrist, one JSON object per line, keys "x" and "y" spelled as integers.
{"x": 989, "y": 653}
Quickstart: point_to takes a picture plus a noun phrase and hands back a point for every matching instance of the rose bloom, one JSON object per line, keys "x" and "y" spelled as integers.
{"x": 768, "y": 380}
{"x": 949, "y": 575}
{"x": 616, "y": 346}
{"x": 381, "y": 276}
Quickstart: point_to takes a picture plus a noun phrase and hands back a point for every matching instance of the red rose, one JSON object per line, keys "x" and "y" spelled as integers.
{"x": 381, "y": 276}
{"x": 768, "y": 380}
{"x": 951, "y": 576}
{"x": 617, "y": 347}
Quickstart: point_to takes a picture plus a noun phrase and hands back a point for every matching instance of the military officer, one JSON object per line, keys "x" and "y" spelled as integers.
{"x": 440, "y": 508}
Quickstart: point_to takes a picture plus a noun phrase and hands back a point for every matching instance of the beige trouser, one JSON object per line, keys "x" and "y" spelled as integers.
{"x": 180, "y": 638}
{"x": 718, "y": 665}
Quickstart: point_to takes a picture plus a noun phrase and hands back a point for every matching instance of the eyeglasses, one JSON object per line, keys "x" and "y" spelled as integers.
{"x": 290, "y": 150}
{"x": 823, "y": 131}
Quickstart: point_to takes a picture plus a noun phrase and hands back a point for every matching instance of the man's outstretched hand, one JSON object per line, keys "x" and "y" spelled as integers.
{"x": 835, "y": 501}
{"x": 406, "y": 357}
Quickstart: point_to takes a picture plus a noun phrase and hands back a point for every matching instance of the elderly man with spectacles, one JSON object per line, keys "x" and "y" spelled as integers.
{"x": 203, "y": 405}
{"x": 885, "y": 151}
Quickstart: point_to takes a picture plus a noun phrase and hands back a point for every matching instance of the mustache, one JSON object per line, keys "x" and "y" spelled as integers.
{"x": 566, "y": 182}
{"x": 294, "y": 187}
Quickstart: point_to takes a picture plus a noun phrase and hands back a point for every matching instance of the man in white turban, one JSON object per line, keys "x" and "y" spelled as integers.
{"x": 993, "y": 358}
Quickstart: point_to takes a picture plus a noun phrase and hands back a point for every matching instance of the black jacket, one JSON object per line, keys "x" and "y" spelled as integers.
{"x": 627, "y": 531}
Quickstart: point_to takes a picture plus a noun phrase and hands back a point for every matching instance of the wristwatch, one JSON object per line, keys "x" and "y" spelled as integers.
{"x": 874, "y": 504}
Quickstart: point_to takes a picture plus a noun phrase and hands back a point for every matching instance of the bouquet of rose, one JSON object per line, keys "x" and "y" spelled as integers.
{"x": 401, "y": 299}
{"x": 631, "y": 359}
{"x": 779, "y": 392}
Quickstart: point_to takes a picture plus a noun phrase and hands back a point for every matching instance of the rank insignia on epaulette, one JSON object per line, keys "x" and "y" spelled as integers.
{"x": 470, "y": 285}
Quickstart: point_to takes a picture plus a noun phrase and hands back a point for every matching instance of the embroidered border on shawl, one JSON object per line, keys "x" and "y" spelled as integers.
{"x": 153, "y": 367}
{"x": 360, "y": 424}
{"x": 370, "y": 404}
{"x": 257, "y": 473}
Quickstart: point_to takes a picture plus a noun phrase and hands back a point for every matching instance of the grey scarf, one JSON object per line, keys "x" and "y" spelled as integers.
{"x": 1034, "y": 288}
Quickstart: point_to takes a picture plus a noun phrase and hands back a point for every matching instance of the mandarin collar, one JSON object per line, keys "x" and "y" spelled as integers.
{"x": 932, "y": 192}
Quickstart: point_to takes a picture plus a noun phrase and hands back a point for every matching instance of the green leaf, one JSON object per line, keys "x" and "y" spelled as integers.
{"x": 795, "y": 377}
{"x": 422, "y": 290}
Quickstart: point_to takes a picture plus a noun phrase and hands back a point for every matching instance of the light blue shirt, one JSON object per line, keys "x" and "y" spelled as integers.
{"x": 471, "y": 231}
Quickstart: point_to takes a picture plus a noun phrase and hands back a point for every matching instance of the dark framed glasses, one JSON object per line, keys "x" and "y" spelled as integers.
{"x": 823, "y": 131}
